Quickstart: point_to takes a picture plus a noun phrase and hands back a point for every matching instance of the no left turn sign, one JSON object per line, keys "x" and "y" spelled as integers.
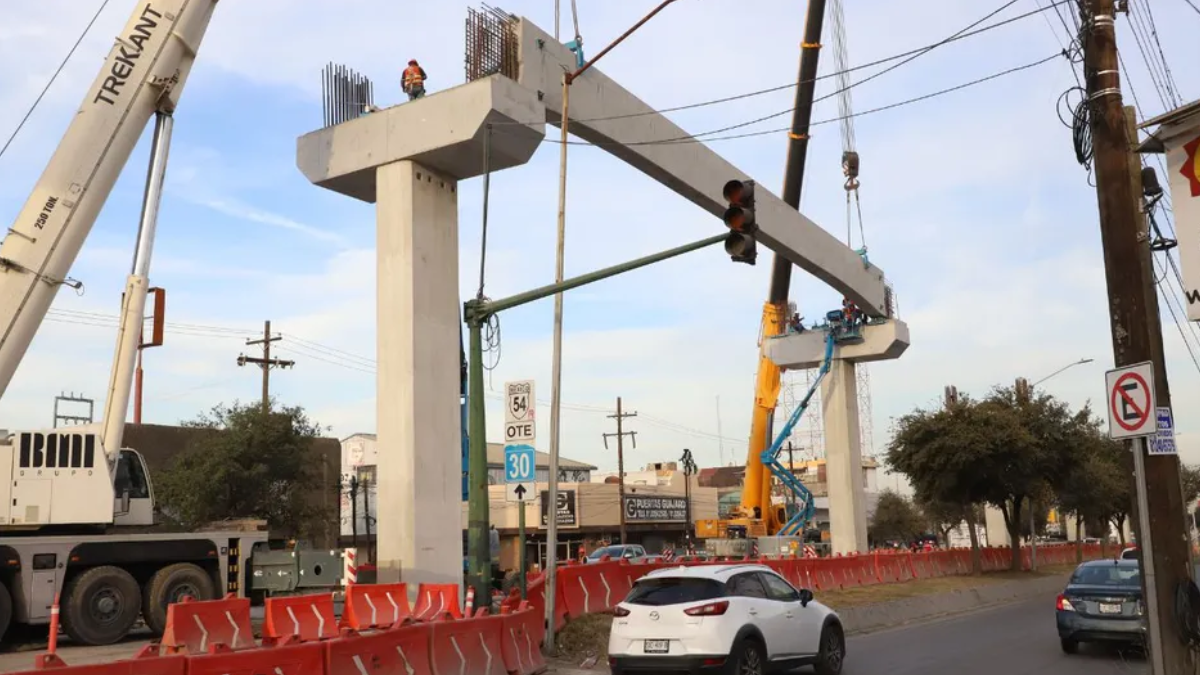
{"x": 1131, "y": 408}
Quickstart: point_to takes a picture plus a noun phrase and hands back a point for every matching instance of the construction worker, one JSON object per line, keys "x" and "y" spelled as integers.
{"x": 414, "y": 80}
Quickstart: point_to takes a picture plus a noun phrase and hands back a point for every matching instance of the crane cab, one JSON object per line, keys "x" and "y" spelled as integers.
{"x": 61, "y": 477}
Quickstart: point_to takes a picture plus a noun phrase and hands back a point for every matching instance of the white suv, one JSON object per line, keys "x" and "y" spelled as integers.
{"x": 742, "y": 619}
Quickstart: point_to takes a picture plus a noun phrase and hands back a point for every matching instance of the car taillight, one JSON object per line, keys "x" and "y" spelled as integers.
{"x": 1063, "y": 604}
{"x": 711, "y": 609}
{"x": 620, "y": 611}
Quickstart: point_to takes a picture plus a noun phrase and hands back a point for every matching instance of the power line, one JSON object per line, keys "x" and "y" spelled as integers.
{"x": 696, "y": 138}
{"x": 961, "y": 35}
{"x": 1193, "y": 5}
{"x": 50, "y": 82}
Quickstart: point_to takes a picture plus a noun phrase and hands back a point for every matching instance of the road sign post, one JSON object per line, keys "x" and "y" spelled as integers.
{"x": 520, "y": 459}
{"x": 1133, "y": 415}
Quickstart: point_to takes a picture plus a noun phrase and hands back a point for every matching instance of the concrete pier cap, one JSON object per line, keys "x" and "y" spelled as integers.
{"x": 799, "y": 351}
{"x": 444, "y": 132}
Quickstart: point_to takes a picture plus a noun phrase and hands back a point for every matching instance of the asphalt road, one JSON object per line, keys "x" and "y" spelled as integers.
{"x": 1015, "y": 639}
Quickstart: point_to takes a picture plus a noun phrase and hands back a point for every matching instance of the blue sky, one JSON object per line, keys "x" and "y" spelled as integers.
{"x": 973, "y": 205}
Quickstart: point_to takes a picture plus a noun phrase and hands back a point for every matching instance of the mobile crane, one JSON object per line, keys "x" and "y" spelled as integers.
{"x": 72, "y": 500}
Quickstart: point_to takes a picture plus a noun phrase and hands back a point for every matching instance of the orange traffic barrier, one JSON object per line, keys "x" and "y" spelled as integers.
{"x": 521, "y": 635}
{"x": 297, "y": 659}
{"x": 154, "y": 665}
{"x": 299, "y": 618}
{"x": 199, "y": 627}
{"x": 435, "y": 601}
{"x": 467, "y": 646}
{"x": 587, "y": 588}
{"x": 403, "y": 650}
{"x": 375, "y": 606}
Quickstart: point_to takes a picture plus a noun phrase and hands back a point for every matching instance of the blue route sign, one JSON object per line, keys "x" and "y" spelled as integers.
{"x": 519, "y": 464}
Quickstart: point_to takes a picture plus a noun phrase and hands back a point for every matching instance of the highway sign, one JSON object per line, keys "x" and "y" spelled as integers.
{"x": 520, "y": 410}
{"x": 519, "y": 464}
{"x": 1163, "y": 442}
{"x": 1130, "y": 397}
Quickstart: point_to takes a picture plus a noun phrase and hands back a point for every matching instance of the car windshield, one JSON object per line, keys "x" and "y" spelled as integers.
{"x": 674, "y": 591}
{"x": 610, "y": 551}
{"x": 1107, "y": 575}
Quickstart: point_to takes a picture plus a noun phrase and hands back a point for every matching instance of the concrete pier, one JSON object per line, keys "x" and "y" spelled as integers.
{"x": 409, "y": 160}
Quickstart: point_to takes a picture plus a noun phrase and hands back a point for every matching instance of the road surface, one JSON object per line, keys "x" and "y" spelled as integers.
{"x": 1017, "y": 639}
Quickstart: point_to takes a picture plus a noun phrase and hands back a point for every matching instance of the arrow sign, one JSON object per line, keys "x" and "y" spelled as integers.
{"x": 520, "y": 490}
{"x": 516, "y": 492}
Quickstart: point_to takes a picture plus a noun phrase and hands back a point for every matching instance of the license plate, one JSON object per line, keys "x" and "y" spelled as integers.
{"x": 657, "y": 646}
{"x": 1106, "y": 608}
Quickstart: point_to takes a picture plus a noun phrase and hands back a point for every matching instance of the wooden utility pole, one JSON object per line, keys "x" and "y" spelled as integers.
{"x": 1135, "y": 333}
{"x": 266, "y": 363}
{"x": 621, "y": 434}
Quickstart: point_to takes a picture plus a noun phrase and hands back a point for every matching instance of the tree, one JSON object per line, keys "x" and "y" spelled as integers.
{"x": 1190, "y": 476}
{"x": 952, "y": 455}
{"x": 245, "y": 464}
{"x": 1038, "y": 460}
{"x": 1096, "y": 489}
{"x": 896, "y": 518}
{"x": 944, "y": 516}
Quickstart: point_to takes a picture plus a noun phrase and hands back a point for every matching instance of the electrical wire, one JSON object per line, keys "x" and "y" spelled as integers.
{"x": 53, "y": 77}
{"x": 917, "y": 99}
{"x": 1193, "y": 5}
{"x": 792, "y": 85}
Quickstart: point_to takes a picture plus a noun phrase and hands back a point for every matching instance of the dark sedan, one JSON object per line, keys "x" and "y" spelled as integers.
{"x": 1102, "y": 603}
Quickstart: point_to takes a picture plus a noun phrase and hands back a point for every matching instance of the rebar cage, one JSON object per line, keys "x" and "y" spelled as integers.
{"x": 491, "y": 42}
{"x": 345, "y": 94}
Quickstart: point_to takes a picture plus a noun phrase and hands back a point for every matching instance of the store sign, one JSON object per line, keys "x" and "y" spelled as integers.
{"x": 644, "y": 509}
{"x": 565, "y": 509}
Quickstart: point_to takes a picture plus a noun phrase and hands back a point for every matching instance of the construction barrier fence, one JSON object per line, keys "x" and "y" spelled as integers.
{"x": 380, "y": 634}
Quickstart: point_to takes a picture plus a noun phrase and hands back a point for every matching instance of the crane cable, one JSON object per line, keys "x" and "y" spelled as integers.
{"x": 850, "y": 163}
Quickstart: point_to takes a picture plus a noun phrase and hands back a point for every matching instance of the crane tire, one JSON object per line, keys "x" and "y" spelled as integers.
{"x": 100, "y": 605}
{"x": 6, "y": 610}
{"x": 169, "y": 585}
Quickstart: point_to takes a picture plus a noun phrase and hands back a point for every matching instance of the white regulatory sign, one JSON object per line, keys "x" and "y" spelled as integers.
{"x": 520, "y": 411}
{"x": 1163, "y": 442}
{"x": 1130, "y": 401}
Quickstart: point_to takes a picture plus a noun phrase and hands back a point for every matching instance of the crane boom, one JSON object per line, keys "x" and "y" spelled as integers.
{"x": 144, "y": 73}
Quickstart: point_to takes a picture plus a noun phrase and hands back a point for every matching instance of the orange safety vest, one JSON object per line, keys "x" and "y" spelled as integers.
{"x": 412, "y": 77}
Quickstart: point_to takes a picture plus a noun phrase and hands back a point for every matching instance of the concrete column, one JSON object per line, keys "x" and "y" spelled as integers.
{"x": 419, "y": 432}
{"x": 843, "y": 459}
{"x": 997, "y": 532}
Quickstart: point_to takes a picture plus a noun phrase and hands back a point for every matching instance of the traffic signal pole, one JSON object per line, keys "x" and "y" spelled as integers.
{"x": 1134, "y": 334}
{"x": 476, "y": 313}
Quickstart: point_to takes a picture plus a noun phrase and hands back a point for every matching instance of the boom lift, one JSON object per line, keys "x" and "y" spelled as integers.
{"x": 68, "y": 495}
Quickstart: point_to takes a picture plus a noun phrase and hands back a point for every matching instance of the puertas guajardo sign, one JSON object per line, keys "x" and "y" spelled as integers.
{"x": 643, "y": 509}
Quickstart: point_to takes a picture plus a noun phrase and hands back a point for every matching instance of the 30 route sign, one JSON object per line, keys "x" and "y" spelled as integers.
{"x": 1130, "y": 401}
{"x": 519, "y": 468}
{"x": 520, "y": 408}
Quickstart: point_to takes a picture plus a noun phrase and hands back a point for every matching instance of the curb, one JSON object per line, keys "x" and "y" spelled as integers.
{"x": 887, "y": 615}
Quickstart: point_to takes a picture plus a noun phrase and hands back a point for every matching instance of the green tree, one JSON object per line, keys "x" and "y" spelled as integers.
{"x": 952, "y": 454}
{"x": 1096, "y": 488}
{"x": 245, "y": 464}
{"x": 1189, "y": 474}
{"x": 896, "y": 518}
{"x": 1038, "y": 460}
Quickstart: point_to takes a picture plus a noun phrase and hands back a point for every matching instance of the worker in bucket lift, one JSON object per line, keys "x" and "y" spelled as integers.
{"x": 796, "y": 323}
{"x": 414, "y": 80}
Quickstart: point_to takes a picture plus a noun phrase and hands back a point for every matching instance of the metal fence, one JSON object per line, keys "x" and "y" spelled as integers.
{"x": 345, "y": 94}
{"x": 491, "y": 43}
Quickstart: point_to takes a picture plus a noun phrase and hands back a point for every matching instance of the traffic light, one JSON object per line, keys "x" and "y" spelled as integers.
{"x": 739, "y": 218}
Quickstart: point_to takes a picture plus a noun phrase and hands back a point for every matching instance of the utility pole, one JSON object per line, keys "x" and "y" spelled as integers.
{"x": 266, "y": 363}
{"x": 621, "y": 434}
{"x": 689, "y": 470}
{"x": 1135, "y": 335}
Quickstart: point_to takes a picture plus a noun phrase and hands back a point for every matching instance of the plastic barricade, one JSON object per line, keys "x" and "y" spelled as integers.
{"x": 519, "y": 641}
{"x": 155, "y": 665}
{"x": 199, "y": 627}
{"x": 403, "y": 650}
{"x": 298, "y": 659}
{"x": 302, "y": 618}
{"x": 375, "y": 606}
{"x": 435, "y": 601}
{"x": 467, "y": 646}
{"x": 586, "y": 588}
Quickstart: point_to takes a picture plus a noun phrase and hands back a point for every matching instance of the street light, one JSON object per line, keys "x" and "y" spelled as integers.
{"x": 1080, "y": 362}
{"x": 1032, "y": 531}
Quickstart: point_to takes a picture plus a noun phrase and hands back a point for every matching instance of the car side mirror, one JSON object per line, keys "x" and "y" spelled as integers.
{"x": 806, "y": 596}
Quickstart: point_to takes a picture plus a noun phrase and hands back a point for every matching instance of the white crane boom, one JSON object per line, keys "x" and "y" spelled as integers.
{"x": 144, "y": 74}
